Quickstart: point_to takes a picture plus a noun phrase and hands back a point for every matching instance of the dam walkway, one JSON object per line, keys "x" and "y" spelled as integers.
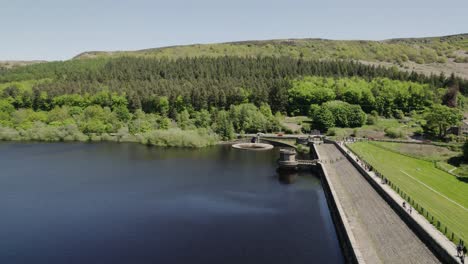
{"x": 379, "y": 235}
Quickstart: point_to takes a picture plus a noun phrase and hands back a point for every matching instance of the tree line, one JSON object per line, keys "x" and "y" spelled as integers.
{"x": 201, "y": 83}
{"x": 222, "y": 95}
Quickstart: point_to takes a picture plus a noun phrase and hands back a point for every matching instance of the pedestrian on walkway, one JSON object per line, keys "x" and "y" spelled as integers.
{"x": 410, "y": 209}
{"x": 459, "y": 250}
{"x": 404, "y": 204}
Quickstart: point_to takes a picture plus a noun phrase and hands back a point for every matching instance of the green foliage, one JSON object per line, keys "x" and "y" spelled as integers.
{"x": 41, "y": 132}
{"x": 132, "y": 96}
{"x": 331, "y": 132}
{"x": 58, "y": 114}
{"x": 169, "y": 86}
{"x": 122, "y": 113}
{"x": 305, "y": 128}
{"x": 223, "y": 126}
{"x": 397, "y": 50}
{"x": 309, "y": 91}
{"x": 203, "y": 119}
{"x": 465, "y": 151}
{"x": 398, "y": 114}
{"x": 140, "y": 123}
{"x": 163, "y": 106}
{"x": 337, "y": 113}
{"x": 6, "y": 107}
{"x": 249, "y": 119}
{"x": 393, "y": 133}
{"x": 313, "y": 110}
{"x": 371, "y": 120}
{"x": 340, "y": 111}
{"x": 440, "y": 117}
{"x": 461, "y": 60}
{"x": 382, "y": 95}
{"x": 180, "y": 138}
{"x": 72, "y": 121}
{"x": 323, "y": 119}
{"x": 183, "y": 120}
{"x": 96, "y": 119}
{"x": 356, "y": 117}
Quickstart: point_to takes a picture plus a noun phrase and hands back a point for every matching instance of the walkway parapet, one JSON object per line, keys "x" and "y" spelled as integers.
{"x": 288, "y": 160}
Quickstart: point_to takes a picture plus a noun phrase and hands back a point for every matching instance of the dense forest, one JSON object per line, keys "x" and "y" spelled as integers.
{"x": 199, "y": 82}
{"x": 220, "y": 94}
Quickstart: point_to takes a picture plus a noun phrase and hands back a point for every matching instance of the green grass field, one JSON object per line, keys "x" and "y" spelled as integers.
{"x": 377, "y": 130}
{"x": 22, "y": 85}
{"x": 427, "y": 152}
{"x": 440, "y": 193}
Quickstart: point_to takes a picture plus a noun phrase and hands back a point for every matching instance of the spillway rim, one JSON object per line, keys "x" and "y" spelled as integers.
{"x": 253, "y": 146}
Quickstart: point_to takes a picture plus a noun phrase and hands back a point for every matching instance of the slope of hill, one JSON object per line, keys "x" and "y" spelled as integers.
{"x": 12, "y": 64}
{"x": 201, "y": 87}
{"x": 448, "y": 54}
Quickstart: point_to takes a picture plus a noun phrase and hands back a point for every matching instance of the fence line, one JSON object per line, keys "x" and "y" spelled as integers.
{"x": 435, "y": 163}
{"x": 444, "y": 229}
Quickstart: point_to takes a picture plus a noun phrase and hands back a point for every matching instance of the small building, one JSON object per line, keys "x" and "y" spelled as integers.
{"x": 315, "y": 132}
{"x": 302, "y": 140}
{"x": 287, "y": 159}
{"x": 316, "y": 139}
{"x": 459, "y": 130}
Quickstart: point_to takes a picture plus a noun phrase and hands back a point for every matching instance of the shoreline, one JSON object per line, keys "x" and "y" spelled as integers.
{"x": 90, "y": 140}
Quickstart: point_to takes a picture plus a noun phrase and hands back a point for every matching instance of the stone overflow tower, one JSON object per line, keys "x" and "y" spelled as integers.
{"x": 287, "y": 159}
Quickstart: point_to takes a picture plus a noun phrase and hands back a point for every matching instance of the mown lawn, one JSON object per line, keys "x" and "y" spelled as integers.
{"x": 427, "y": 152}
{"x": 377, "y": 130}
{"x": 438, "y": 192}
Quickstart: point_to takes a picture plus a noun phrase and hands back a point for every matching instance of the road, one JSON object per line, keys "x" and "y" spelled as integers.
{"x": 381, "y": 235}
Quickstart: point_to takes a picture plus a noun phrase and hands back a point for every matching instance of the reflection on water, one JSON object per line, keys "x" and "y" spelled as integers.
{"x": 287, "y": 176}
{"x": 129, "y": 203}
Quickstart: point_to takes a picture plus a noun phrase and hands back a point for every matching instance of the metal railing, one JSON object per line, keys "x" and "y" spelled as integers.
{"x": 439, "y": 225}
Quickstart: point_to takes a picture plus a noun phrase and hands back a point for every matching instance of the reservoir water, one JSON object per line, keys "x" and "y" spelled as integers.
{"x": 129, "y": 203}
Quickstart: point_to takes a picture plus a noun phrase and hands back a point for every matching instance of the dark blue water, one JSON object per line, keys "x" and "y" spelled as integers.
{"x": 129, "y": 203}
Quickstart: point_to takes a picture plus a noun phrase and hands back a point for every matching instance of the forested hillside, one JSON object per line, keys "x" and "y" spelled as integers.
{"x": 227, "y": 94}
{"x": 198, "y": 82}
{"x": 448, "y": 54}
{"x": 420, "y": 50}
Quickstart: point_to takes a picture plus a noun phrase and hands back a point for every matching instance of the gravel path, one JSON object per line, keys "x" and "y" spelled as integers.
{"x": 380, "y": 233}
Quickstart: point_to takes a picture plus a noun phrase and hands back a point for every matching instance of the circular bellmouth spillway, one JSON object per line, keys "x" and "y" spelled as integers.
{"x": 252, "y": 146}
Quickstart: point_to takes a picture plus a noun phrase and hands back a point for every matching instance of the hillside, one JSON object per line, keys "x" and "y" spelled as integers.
{"x": 204, "y": 94}
{"x": 12, "y": 64}
{"x": 448, "y": 54}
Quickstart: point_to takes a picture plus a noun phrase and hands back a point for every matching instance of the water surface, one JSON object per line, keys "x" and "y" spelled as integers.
{"x": 129, "y": 203}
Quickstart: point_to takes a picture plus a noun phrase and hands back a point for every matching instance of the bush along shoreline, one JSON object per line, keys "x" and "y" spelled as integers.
{"x": 173, "y": 137}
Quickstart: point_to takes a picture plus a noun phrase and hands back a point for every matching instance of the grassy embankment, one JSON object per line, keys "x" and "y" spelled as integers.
{"x": 383, "y": 128}
{"x": 439, "y": 193}
{"x": 440, "y": 154}
{"x": 447, "y": 156}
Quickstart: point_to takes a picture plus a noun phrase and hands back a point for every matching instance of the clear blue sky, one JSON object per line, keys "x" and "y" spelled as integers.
{"x": 60, "y": 29}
